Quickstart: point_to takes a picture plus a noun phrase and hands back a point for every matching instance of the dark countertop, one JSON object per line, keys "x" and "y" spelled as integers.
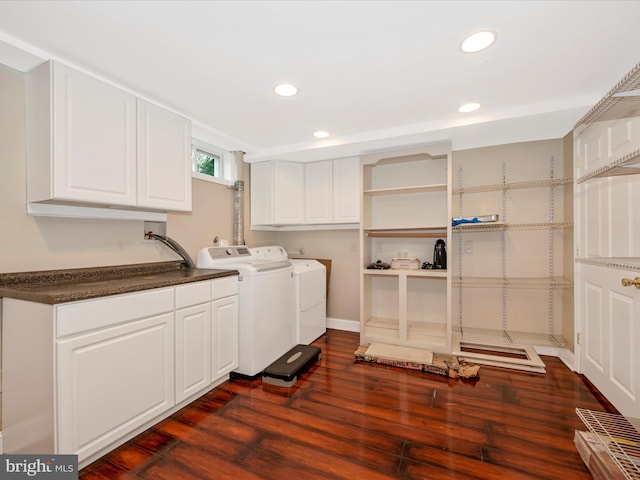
{"x": 62, "y": 286}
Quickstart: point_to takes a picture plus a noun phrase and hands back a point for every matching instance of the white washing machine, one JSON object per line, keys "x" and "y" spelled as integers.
{"x": 310, "y": 300}
{"x": 265, "y": 302}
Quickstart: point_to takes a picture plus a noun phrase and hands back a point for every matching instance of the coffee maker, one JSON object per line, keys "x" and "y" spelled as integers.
{"x": 439, "y": 255}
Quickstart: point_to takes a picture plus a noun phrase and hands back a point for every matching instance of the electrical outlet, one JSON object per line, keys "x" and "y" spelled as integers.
{"x": 353, "y": 247}
{"x": 468, "y": 246}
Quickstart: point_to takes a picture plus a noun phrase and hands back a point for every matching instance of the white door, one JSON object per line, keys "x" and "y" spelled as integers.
{"x": 193, "y": 350}
{"x": 610, "y": 353}
{"x": 164, "y": 159}
{"x": 94, "y": 147}
{"x": 224, "y": 336}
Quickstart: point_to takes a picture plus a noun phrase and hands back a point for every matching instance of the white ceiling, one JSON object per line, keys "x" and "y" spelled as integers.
{"x": 376, "y": 74}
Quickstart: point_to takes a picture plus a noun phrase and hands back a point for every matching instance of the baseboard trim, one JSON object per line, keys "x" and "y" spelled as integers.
{"x": 341, "y": 324}
{"x": 566, "y": 356}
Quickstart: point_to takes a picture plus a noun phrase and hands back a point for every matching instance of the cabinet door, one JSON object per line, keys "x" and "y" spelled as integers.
{"x": 346, "y": 190}
{"x": 94, "y": 140}
{"x": 318, "y": 180}
{"x": 288, "y": 194}
{"x": 262, "y": 193}
{"x": 224, "y": 336}
{"x": 164, "y": 159}
{"x": 111, "y": 381}
{"x": 609, "y": 324}
{"x": 193, "y": 350}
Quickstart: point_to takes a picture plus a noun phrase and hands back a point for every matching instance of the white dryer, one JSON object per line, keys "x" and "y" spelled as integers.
{"x": 310, "y": 300}
{"x": 265, "y": 302}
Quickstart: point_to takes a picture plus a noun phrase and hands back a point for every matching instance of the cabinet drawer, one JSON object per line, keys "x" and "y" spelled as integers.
{"x": 72, "y": 318}
{"x": 193, "y": 294}
{"x": 224, "y": 287}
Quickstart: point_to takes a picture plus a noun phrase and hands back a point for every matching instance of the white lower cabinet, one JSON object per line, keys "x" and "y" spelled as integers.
{"x": 224, "y": 336}
{"x": 111, "y": 381}
{"x": 83, "y": 377}
{"x": 206, "y": 334}
{"x": 193, "y": 350}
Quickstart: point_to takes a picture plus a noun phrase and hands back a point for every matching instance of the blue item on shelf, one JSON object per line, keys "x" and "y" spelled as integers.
{"x": 457, "y": 221}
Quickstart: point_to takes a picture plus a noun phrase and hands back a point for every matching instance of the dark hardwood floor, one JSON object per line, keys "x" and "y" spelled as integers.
{"x": 352, "y": 420}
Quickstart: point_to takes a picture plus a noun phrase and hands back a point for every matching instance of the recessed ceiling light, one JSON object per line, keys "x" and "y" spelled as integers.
{"x": 478, "y": 41}
{"x": 469, "y": 107}
{"x": 285, "y": 89}
{"x": 321, "y": 134}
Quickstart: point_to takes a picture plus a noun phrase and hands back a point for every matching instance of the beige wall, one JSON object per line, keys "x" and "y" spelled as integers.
{"x": 341, "y": 247}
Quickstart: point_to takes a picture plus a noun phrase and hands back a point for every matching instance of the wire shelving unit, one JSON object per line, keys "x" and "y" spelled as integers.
{"x": 618, "y": 436}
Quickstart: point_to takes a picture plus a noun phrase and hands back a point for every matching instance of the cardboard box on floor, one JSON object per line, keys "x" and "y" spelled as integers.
{"x": 416, "y": 359}
{"x": 596, "y": 457}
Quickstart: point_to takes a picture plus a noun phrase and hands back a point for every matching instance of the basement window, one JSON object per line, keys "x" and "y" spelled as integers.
{"x": 212, "y": 164}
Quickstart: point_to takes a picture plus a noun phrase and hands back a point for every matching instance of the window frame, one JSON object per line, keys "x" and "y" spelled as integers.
{"x": 226, "y": 164}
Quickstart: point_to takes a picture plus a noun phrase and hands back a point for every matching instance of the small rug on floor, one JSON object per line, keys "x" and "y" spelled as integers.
{"x": 416, "y": 359}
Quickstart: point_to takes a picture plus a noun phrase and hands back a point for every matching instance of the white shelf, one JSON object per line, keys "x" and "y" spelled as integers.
{"x": 501, "y": 226}
{"x": 507, "y": 337}
{"x": 498, "y": 187}
{"x": 382, "y": 329}
{"x": 428, "y": 328}
{"x": 380, "y": 322}
{"x": 622, "y": 263}
{"x": 520, "y": 283}
{"x": 406, "y": 207}
{"x": 391, "y": 272}
{"x": 418, "y": 333}
{"x": 616, "y": 104}
{"x": 404, "y": 231}
{"x": 422, "y": 333}
{"x": 619, "y": 438}
{"x": 627, "y": 165}
{"x": 441, "y": 187}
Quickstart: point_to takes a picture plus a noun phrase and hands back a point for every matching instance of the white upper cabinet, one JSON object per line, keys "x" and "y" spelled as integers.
{"x": 164, "y": 155}
{"x": 346, "y": 190}
{"x": 288, "y": 193}
{"x": 277, "y": 193}
{"x": 318, "y": 181}
{"x": 261, "y": 193}
{"x": 91, "y": 143}
{"x": 316, "y": 193}
{"x": 81, "y": 138}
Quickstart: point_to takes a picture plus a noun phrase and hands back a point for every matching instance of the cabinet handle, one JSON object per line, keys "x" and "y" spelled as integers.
{"x": 627, "y": 282}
